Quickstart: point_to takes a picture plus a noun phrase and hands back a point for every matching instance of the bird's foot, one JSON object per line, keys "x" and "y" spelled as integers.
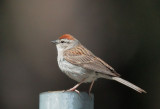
{"x": 73, "y": 89}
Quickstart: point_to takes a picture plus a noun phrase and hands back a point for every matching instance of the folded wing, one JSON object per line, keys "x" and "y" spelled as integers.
{"x": 82, "y": 57}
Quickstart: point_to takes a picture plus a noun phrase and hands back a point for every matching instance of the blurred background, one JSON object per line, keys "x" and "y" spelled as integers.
{"x": 124, "y": 33}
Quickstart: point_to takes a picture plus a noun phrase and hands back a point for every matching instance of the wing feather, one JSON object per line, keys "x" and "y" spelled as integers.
{"x": 82, "y": 57}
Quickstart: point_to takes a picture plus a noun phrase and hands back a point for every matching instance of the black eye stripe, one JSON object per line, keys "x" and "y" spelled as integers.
{"x": 62, "y": 41}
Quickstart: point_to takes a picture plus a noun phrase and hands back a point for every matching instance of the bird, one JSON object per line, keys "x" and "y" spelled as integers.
{"x": 81, "y": 65}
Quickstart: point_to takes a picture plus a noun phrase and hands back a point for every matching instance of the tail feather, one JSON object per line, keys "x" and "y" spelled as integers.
{"x": 138, "y": 89}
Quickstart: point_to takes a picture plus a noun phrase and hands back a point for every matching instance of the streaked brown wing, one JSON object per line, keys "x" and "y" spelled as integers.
{"x": 82, "y": 57}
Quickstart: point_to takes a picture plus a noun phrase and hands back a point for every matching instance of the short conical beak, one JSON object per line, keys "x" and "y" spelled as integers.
{"x": 55, "y": 41}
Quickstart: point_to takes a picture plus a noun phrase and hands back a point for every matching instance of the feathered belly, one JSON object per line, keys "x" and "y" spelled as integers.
{"x": 75, "y": 72}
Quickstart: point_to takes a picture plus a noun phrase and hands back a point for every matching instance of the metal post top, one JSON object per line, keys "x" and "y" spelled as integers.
{"x": 66, "y": 92}
{"x": 66, "y": 100}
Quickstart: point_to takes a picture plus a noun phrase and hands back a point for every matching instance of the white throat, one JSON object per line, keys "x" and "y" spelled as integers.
{"x": 60, "y": 53}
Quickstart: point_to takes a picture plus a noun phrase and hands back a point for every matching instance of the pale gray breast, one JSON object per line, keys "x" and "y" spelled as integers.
{"x": 74, "y": 72}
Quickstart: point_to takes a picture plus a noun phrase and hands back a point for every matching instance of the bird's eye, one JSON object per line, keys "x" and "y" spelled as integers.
{"x": 62, "y": 41}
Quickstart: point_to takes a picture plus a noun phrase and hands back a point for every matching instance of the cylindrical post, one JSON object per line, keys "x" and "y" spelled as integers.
{"x": 66, "y": 100}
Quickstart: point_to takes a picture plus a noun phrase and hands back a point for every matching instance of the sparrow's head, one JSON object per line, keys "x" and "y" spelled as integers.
{"x": 65, "y": 42}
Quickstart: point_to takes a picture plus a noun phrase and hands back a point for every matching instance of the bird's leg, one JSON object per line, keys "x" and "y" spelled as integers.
{"x": 90, "y": 88}
{"x": 75, "y": 87}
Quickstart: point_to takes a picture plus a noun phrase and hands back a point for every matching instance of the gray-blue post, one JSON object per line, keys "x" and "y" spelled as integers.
{"x": 66, "y": 100}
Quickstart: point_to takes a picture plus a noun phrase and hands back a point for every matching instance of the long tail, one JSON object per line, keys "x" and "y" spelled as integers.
{"x": 138, "y": 89}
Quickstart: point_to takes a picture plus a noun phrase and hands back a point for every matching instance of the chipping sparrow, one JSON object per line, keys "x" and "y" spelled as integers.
{"x": 83, "y": 66}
